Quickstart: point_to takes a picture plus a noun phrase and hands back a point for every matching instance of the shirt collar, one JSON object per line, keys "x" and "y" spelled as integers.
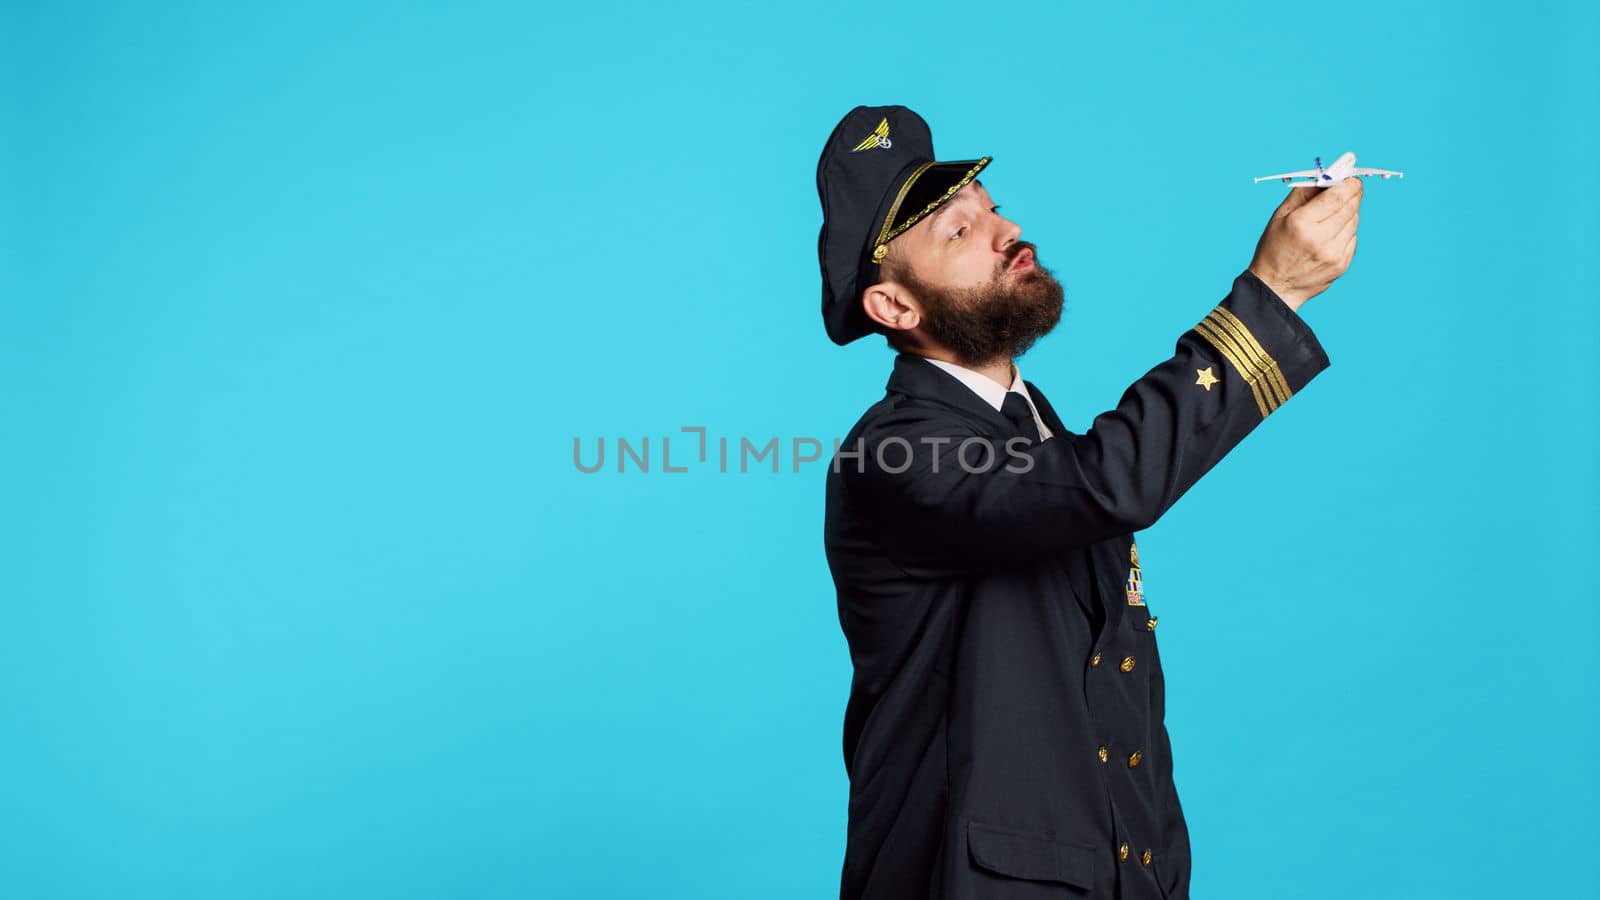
{"x": 983, "y": 385}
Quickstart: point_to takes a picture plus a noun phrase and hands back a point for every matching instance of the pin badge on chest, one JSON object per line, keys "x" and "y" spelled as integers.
{"x": 1135, "y": 578}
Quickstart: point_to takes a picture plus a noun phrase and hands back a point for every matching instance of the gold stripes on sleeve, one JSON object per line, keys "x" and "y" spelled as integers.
{"x": 1234, "y": 341}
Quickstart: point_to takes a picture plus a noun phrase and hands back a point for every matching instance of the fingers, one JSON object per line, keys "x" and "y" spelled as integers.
{"x": 1345, "y": 240}
{"x": 1297, "y": 198}
{"x": 1346, "y": 229}
{"x": 1349, "y": 252}
{"x": 1332, "y": 201}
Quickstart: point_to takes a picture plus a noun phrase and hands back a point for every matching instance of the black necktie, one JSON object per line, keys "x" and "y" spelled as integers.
{"x": 1016, "y": 409}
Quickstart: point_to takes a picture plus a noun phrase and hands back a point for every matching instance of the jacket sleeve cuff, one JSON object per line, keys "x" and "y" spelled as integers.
{"x": 1264, "y": 341}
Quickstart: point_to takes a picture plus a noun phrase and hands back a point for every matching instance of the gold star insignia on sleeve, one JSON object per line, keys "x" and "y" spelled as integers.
{"x": 1229, "y": 336}
{"x": 1206, "y": 379}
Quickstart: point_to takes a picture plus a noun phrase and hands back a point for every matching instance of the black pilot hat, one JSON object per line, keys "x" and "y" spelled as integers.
{"x": 877, "y": 177}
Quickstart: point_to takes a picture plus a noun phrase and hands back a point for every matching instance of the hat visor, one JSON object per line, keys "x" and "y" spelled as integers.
{"x": 927, "y": 188}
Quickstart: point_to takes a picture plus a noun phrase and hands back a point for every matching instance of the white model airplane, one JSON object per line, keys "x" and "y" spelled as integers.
{"x": 1342, "y": 168}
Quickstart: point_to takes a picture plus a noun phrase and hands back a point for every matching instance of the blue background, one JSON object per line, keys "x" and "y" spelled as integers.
{"x": 302, "y": 308}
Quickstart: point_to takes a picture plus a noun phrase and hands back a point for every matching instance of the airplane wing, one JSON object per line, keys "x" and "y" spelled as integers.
{"x": 1308, "y": 173}
{"x": 1380, "y": 172}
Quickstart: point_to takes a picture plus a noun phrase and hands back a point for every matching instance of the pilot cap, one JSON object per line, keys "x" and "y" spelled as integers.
{"x": 877, "y": 177}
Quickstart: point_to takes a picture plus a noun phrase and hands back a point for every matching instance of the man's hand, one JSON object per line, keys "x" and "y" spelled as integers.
{"x": 1309, "y": 241}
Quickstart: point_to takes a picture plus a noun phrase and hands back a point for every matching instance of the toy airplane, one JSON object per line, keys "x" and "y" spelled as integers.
{"x": 1342, "y": 168}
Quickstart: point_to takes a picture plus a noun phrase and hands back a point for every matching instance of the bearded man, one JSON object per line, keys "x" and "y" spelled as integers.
{"x": 1005, "y": 734}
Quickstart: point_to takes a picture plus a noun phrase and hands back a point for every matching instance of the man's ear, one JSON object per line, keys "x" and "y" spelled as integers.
{"x": 891, "y": 306}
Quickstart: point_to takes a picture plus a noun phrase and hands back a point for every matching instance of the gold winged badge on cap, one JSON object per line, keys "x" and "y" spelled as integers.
{"x": 878, "y": 138}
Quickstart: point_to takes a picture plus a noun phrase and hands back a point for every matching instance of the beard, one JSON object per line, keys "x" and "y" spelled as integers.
{"x": 995, "y": 321}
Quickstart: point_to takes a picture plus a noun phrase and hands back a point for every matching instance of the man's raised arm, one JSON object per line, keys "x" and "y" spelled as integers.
{"x": 1245, "y": 359}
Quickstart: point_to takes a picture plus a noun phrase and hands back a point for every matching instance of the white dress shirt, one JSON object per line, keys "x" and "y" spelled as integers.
{"x": 991, "y": 391}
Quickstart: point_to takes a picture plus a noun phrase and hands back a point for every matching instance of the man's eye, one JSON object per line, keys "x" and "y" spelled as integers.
{"x": 958, "y": 232}
{"x": 995, "y": 208}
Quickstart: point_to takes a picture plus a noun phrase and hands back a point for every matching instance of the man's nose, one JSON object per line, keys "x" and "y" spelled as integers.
{"x": 1009, "y": 233}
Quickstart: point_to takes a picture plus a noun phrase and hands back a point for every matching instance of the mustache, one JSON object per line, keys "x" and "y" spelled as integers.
{"x": 1015, "y": 250}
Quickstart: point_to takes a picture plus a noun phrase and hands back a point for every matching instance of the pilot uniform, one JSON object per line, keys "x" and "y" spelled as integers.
{"x": 1004, "y": 735}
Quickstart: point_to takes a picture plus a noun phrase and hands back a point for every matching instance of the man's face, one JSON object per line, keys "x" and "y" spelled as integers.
{"x": 983, "y": 294}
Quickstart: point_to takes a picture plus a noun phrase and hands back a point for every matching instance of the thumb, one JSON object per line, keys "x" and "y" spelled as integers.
{"x": 1297, "y": 198}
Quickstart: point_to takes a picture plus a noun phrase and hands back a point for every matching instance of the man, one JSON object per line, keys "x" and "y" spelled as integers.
{"x": 1004, "y": 736}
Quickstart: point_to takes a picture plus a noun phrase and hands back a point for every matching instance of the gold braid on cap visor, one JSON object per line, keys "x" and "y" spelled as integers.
{"x": 887, "y": 234}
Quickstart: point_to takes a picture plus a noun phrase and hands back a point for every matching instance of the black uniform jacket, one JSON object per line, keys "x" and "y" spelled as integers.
{"x": 1004, "y": 736}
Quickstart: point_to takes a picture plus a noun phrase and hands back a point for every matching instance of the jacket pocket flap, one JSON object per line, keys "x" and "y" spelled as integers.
{"x": 1030, "y": 856}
